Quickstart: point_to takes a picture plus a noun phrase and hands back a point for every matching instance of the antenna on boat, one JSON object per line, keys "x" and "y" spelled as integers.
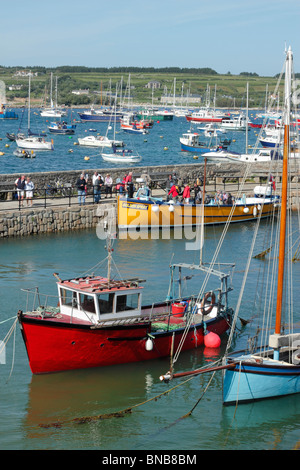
{"x": 109, "y": 249}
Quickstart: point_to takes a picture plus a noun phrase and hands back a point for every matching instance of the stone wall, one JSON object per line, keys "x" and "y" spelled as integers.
{"x": 188, "y": 172}
{"x": 31, "y": 222}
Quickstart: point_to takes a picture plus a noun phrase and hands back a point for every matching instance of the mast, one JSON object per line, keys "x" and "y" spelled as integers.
{"x": 56, "y": 92}
{"x": 29, "y": 86}
{"x": 51, "y": 91}
{"x": 174, "y": 93}
{"x": 247, "y": 113}
{"x": 287, "y": 109}
{"x": 202, "y": 215}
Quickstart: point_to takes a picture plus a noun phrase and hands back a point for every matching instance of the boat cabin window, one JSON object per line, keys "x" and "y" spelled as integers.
{"x": 87, "y": 303}
{"x": 127, "y": 302}
{"x": 106, "y": 302}
{"x": 68, "y": 298}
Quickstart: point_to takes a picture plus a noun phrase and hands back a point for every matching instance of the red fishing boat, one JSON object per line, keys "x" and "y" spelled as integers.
{"x": 99, "y": 321}
{"x": 206, "y": 115}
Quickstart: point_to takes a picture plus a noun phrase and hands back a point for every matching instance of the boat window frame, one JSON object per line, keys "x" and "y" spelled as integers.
{"x": 127, "y": 294}
{"x": 73, "y": 295}
{"x": 129, "y": 308}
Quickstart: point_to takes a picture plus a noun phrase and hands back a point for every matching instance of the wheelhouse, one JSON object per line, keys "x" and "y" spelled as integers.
{"x": 97, "y": 299}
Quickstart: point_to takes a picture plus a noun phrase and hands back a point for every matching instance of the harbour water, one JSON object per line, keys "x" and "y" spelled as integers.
{"x": 160, "y": 147}
{"x": 30, "y": 404}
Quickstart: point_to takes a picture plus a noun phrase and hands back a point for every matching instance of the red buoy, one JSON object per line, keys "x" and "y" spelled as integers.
{"x": 212, "y": 340}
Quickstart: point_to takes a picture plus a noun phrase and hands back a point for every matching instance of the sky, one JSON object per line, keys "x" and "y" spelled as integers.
{"x": 228, "y": 36}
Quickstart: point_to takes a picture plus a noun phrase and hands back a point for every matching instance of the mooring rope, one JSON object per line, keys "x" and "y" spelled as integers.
{"x": 121, "y": 413}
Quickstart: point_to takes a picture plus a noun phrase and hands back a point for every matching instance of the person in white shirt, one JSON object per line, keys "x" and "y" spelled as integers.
{"x": 29, "y": 187}
{"x": 108, "y": 182}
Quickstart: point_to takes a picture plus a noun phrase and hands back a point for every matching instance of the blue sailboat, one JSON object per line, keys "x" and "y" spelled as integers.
{"x": 62, "y": 128}
{"x": 272, "y": 370}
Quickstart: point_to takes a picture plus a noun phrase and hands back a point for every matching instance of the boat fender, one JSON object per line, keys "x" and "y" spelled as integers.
{"x": 212, "y": 340}
{"x": 207, "y": 309}
{"x": 155, "y": 208}
{"x": 255, "y": 211}
{"x": 149, "y": 344}
{"x": 246, "y": 210}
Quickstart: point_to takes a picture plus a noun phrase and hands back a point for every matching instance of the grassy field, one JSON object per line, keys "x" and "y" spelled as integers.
{"x": 230, "y": 89}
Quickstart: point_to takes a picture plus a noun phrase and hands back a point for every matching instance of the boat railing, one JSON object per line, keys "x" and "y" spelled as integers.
{"x": 39, "y": 303}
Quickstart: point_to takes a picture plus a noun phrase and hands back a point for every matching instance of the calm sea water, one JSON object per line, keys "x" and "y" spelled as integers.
{"x": 160, "y": 147}
{"x": 27, "y": 401}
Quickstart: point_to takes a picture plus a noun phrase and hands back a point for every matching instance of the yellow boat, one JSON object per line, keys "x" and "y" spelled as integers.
{"x": 145, "y": 212}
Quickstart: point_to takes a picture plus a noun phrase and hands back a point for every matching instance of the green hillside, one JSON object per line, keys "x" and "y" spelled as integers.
{"x": 193, "y": 83}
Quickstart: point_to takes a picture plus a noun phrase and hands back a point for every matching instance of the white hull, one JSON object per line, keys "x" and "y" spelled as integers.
{"x": 52, "y": 113}
{"x": 121, "y": 158}
{"x": 92, "y": 141}
{"x": 222, "y": 156}
{"x": 34, "y": 143}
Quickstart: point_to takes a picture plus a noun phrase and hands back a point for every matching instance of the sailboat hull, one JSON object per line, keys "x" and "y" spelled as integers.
{"x": 257, "y": 379}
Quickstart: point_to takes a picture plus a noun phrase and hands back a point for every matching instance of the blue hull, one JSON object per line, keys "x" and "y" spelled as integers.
{"x": 268, "y": 144}
{"x": 189, "y": 148}
{"x": 98, "y": 118}
{"x": 9, "y": 115}
{"x": 250, "y": 381}
{"x": 62, "y": 131}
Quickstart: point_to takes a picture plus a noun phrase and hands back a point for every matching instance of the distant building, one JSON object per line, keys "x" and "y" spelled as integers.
{"x": 153, "y": 84}
{"x": 15, "y": 87}
{"x": 25, "y": 73}
{"x": 81, "y": 92}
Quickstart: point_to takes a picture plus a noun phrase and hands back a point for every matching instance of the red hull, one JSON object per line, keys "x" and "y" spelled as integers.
{"x": 211, "y": 119}
{"x": 53, "y": 345}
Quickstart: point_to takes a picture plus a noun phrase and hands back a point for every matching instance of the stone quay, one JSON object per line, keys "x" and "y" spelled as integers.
{"x": 18, "y": 222}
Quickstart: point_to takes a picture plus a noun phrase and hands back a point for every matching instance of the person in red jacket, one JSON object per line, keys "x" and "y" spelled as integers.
{"x": 173, "y": 193}
{"x": 186, "y": 194}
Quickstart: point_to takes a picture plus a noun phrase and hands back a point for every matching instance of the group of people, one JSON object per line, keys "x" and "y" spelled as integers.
{"x": 24, "y": 187}
{"x": 175, "y": 192}
{"x": 125, "y": 185}
{"x": 223, "y": 198}
{"x": 103, "y": 185}
{"x": 98, "y": 183}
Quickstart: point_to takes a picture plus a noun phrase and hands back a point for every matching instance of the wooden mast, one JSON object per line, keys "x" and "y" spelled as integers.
{"x": 284, "y": 192}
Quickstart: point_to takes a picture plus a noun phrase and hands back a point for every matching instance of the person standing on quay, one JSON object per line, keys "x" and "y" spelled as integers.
{"x": 29, "y": 187}
{"x": 81, "y": 187}
{"x": 20, "y": 185}
{"x": 108, "y": 185}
